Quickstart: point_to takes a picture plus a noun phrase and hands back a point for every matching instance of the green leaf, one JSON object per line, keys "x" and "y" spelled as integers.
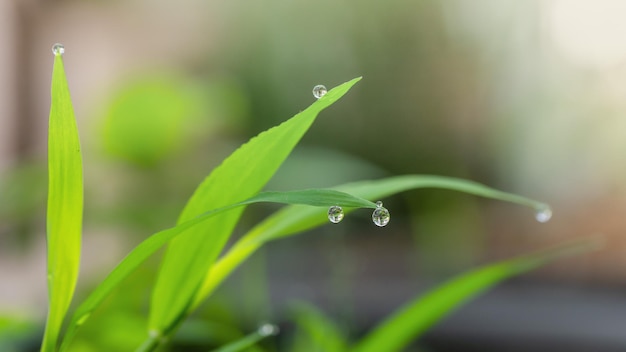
{"x": 323, "y": 334}
{"x": 65, "y": 205}
{"x": 295, "y": 219}
{"x": 411, "y": 321}
{"x": 241, "y": 175}
{"x": 318, "y": 197}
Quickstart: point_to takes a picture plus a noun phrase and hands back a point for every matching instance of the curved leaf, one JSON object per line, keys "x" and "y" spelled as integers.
{"x": 295, "y": 219}
{"x": 241, "y": 175}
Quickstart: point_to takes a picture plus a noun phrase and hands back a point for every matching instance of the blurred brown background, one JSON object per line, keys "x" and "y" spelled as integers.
{"x": 528, "y": 97}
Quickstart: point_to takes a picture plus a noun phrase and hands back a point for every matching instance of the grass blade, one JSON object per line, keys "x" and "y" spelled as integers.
{"x": 411, "y": 321}
{"x": 317, "y": 197}
{"x": 252, "y": 339}
{"x": 322, "y": 332}
{"x": 295, "y": 219}
{"x": 240, "y": 176}
{"x": 65, "y": 205}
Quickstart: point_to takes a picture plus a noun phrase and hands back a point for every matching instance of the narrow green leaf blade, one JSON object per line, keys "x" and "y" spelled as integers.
{"x": 411, "y": 321}
{"x": 247, "y": 342}
{"x": 295, "y": 219}
{"x": 65, "y": 205}
{"x": 241, "y": 175}
{"x": 312, "y": 197}
{"x": 322, "y": 332}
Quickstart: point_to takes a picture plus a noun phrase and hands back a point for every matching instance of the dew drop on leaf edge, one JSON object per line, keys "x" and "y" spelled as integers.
{"x": 319, "y": 91}
{"x": 380, "y": 216}
{"x": 335, "y": 214}
{"x": 58, "y": 49}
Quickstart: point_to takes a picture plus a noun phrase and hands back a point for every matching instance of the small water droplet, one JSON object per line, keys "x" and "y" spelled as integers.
{"x": 319, "y": 91}
{"x": 544, "y": 213}
{"x": 83, "y": 319}
{"x": 335, "y": 214}
{"x": 58, "y": 49}
{"x": 268, "y": 330}
{"x": 380, "y": 216}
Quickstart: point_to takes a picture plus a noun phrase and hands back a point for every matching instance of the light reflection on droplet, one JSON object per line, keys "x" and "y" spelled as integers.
{"x": 58, "y": 49}
{"x": 319, "y": 91}
{"x": 268, "y": 330}
{"x": 544, "y": 213}
{"x": 381, "y": 215}
{"x": 335, "y": 214}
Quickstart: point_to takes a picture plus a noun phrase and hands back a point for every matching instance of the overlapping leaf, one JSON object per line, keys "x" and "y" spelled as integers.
{"x": 240, "y": 176}
{"x": 295, "y": 219}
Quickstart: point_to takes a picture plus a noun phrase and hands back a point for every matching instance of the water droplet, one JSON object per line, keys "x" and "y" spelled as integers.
{"x": 544, "y": 213}
{"x": 335, "y": 214}
{"x": 58, "y": 49}
{"x": 380, "y": 216}
{"x": 319, "y": 91}
{"x": 268, "y": 330}
{"x": 83, "y": 319}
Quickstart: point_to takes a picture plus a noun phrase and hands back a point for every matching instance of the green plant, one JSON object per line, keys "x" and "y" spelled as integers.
{"x": 412, "y": 320}
{"x": 208, "y": 219}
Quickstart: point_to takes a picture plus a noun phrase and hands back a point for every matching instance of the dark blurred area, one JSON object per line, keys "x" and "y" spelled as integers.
{"x": 527, "y": 97}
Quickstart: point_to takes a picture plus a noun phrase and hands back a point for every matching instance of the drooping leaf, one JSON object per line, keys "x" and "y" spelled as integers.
{"x": 295, "y": 219}
{"x": 319, "y": 197}
{"x": 65, "y": 205}
{"x": 412, "y": 320}
{"x": 241, "y": 175}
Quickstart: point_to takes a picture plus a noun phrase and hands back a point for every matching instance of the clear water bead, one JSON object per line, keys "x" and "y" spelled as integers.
{"x": 335, "y": 214}
{"x": 380, "y": 216}
{"x": 58, "y": 49}
{"x": 268, "y": 330}
{"x": 544, "y": 213}
{"x": 319, "y": 91}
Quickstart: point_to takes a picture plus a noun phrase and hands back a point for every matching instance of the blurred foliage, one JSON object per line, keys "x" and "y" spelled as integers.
{"x": 152, "y": 118}
{"x": 18, "y": 334}
{"x": 22, "y": 203}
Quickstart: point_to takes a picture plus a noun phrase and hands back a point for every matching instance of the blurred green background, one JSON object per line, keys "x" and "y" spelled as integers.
{"x": 528, "y": 97}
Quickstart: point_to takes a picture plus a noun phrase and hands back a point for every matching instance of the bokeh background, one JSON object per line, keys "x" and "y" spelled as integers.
{"x": 525, "y": 96}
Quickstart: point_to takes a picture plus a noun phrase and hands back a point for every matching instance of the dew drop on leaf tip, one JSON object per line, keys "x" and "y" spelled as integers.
{"x": 268, "y": 330}
{"x": 58, "y": 49}
{"x": 319, "y": 91}
{"x": 544, "y": 213}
